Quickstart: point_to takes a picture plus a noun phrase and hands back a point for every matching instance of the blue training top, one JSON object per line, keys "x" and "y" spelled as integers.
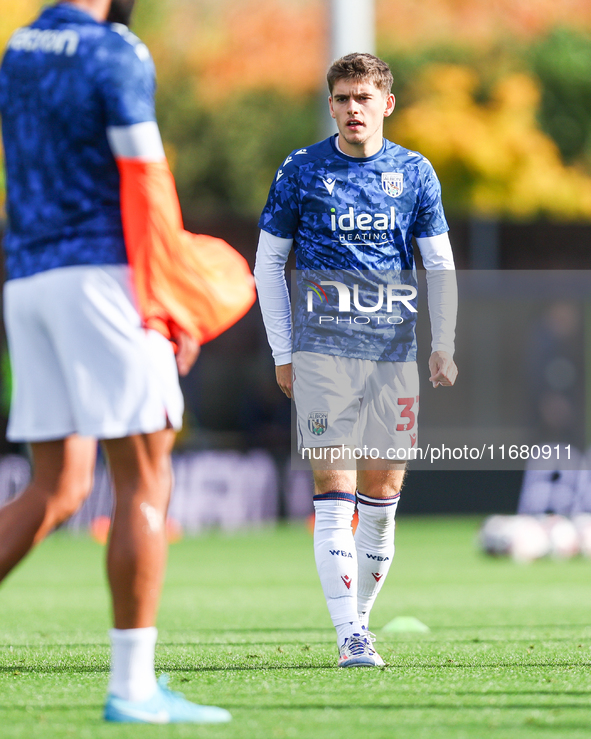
{"x": 352, "y": 221}
{"x": 63, "y": 81}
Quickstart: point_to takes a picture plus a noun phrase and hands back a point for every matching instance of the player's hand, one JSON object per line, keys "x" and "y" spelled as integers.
{"x": 187, "y": 351}
{"x": 283, "y": 373}
{"x": 443, "y": 369}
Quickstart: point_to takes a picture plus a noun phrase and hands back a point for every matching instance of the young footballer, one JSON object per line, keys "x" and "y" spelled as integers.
{"x": 350, "y": 206}
{"x": 76, "y": 99}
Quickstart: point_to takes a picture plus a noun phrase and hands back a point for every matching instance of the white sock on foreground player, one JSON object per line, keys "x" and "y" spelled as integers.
{"x": 132, "y": 663}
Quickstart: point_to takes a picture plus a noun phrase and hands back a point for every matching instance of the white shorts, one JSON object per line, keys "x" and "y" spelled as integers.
{"x": 81, "y": 361}
{"x": 358, "y": 403}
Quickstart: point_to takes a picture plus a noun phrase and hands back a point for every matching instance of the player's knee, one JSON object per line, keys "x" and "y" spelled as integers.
{"x": 66, "y": 499}
{"x": 329, "y": 480}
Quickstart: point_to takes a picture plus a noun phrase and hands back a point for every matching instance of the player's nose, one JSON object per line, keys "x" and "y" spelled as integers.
{"x": 352, "y": 108}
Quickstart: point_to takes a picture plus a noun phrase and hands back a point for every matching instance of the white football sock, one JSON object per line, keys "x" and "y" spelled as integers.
{"x": 374, "y": 541}
{"x": 336, "y": 559}
{"x": 132, "y": 663}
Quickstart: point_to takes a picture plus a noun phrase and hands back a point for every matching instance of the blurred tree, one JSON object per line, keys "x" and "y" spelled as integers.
{"x": 224, "y": 157}
{"x": 491, "y": 156}
{"x": 16, "y": 13}
{"x": 239, "y": 80}
{"x": 562, "y": 62}
{"x": 409, "y": 24}
{"x": 265, "y": 44}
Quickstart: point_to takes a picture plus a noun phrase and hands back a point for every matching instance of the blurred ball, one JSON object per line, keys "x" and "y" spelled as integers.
{"x": 521, "y": 537}
{"x": 562, "y": 536}
{"x": 494, "y": 535}
{"x": 582, "y": 524}
{"x": 529, "y": 540}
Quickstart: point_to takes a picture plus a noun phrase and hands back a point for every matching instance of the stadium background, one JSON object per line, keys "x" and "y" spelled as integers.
{"x": 241, "y": 84}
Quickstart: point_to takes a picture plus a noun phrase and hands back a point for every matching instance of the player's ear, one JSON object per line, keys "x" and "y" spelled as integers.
{"x": 330, "y": 106}
{"x": 390, "y": 105}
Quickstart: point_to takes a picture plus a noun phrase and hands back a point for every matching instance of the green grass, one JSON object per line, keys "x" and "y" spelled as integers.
{"x": 243, "y": 624}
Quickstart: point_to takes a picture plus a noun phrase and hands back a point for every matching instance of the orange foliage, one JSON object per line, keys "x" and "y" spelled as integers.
{"x": 230, "y": 45}
{"x": 405, "y": 23}
{"x": 263, "y": 44}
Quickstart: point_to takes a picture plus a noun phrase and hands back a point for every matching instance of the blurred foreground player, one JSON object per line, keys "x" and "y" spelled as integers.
{"x": 76, "y": 94}
{"x": 350, "y": 206}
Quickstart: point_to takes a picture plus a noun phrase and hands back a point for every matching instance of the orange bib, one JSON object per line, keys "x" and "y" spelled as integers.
{"x": 197, "y": 283}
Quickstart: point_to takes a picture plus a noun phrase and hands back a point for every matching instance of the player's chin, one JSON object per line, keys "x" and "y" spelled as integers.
{"x": 354, "y": 132}
{"x": 354, "y": 136}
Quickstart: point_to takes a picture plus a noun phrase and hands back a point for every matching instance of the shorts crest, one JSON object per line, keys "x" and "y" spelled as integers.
{"x": 318, "y": 422}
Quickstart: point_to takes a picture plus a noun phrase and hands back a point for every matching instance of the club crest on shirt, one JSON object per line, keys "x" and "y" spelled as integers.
{"x": 392, "y": 183}
{"x": 318, "y": 422}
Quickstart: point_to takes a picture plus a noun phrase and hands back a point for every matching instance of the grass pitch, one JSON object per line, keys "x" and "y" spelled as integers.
{"x": 243, "y": 624}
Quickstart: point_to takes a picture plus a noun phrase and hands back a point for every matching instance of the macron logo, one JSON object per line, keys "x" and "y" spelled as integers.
{"x": 301, "y": 151}
{"x": 279, "y": 175}
{"x": 288, "y": 160}
{"x": 329, "y": 183}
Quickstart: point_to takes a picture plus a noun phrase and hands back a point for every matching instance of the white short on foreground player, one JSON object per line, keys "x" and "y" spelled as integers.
{"x": 85, "y": 365}
{"x": 352, "y": 204}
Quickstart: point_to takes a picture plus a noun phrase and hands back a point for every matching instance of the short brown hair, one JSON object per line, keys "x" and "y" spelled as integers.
{"x": 360, "y": 67}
